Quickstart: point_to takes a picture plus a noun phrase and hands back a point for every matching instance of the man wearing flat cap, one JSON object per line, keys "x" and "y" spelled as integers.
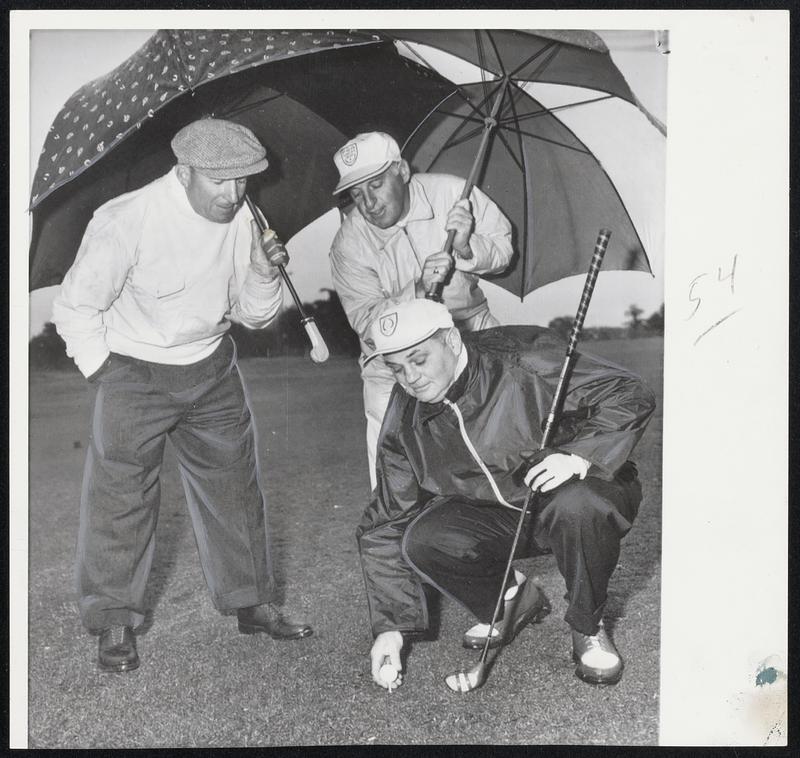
{"x": 145, "y": 312}
{"x": 455, "y": 462}
{"x": 389, "y": 249}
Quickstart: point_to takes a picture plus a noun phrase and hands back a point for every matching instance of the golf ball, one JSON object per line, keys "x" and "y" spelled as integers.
{"x": 388, "y": 673}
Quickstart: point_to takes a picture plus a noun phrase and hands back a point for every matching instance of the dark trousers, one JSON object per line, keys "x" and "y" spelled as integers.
{"x": 204, "y": 411}
{"x": 461, "y": 547}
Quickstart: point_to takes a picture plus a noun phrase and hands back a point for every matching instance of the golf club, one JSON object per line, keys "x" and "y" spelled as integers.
{"x": 466, "y": 681}
{"x": 319, "y": 350}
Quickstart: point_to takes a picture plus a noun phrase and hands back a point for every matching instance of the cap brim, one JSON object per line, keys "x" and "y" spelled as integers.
{"x": 348, "y": 180}
{"x": 416, "y": 341}
{"x": 233, "y": 172}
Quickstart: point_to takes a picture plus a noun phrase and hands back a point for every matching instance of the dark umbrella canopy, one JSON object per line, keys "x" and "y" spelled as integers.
{"x": 555, "y": 192}
{"x": 106, "y": 111}
{"x": 546, "y": 180}
{"x": 302, "y": 107}
{"x": 574, "y": 57}
{"x": 304, "y": 93}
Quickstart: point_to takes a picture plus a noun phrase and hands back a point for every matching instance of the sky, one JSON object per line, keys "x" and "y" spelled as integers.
{"x": 61, "y": 61}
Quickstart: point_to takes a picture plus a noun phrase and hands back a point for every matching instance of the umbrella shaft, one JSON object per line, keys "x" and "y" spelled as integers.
{"x": 435, "y": 293}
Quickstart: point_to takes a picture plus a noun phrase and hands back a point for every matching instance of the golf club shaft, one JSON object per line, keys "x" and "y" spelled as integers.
{"x": 577, "y": 325}
{"x": 435, "y": 292}
{"x": 319, "y": 350}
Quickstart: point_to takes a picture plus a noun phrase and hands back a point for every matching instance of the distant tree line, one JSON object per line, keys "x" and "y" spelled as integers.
{"x": 287, "y": 336}
{"x": 284, "y": 336}
{"x": 635, "y": 326}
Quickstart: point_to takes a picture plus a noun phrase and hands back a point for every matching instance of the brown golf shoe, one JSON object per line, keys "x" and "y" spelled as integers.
{"x": 529, "y": 605}
{"x": 599, "y": 661}
{"x": 116, "y": 650}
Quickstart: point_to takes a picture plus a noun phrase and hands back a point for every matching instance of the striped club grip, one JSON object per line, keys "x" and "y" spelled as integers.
{"x": 588, "y": 288}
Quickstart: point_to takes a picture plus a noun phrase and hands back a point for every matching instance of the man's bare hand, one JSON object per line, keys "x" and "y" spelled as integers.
{"x": 386, "y": 650}
{"x": 435, "y": 270}
{"x": 461, "y": 220}
{"x": 267, "y": 252}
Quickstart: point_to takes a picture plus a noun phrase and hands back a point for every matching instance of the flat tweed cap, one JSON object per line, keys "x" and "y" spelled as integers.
{"x": 219, "y": 149}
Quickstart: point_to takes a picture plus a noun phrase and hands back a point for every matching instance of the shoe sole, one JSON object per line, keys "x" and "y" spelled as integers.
{"x": 118, "y": 668}
{"x": 598, "y": 678}
{"x": 534, "y": 616}
{"x": 252, "y": 629}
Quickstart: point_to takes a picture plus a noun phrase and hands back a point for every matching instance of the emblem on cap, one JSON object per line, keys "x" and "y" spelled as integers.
{"x": 388, "y": 324}
{"x": 349, "y": 154}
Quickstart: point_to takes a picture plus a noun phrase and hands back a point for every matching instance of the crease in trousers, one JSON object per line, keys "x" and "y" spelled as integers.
{"x": 204, "y": 411}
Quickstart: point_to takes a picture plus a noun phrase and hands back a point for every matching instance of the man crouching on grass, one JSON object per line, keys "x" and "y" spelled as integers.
{"x": 455, "y": 460}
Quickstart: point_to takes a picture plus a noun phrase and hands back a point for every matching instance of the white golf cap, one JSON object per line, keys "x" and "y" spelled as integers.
{"x": 364, "y": 156}
{"x": 404, "y": 325}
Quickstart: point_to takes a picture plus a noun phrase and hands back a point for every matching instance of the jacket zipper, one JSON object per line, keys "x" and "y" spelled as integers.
{"x": 474, "y": 453}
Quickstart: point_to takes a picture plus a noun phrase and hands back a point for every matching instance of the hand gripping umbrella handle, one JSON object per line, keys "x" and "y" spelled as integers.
{"x": 319, "y": 350}
{"x": 588, "y": 289}
{"x": 489, "y": 123}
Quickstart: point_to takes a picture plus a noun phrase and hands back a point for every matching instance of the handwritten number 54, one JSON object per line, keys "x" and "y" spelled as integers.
{"x": 696, "y": 299}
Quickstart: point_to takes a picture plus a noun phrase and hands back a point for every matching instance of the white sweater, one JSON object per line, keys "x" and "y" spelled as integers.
{"x": 156, "y": 281}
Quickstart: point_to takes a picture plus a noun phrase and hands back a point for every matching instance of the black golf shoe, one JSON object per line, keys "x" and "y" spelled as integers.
{"x": 117, "y": 649}
{"x": 268, "y": 619}
{"x": 599, "y": 661}
{"x": 528, "y": 605}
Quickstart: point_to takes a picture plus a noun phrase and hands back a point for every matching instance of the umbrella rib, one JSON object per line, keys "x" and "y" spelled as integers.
{"x": 468, "y": 118}
{"x": 545, "y": 110}
{"x": 500, "y": 63}
{"x": 550, "y": 141}
{"x": 482, "y": 64}
{"x": 549, "y": 51}
{"x": 452, "y": 142}
{"x": 427, "y": 116}
{"x": 249, "y": 106}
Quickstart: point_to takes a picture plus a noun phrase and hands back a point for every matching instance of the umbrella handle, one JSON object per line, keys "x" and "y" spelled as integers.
{"x": 319, "y": 350}
{"x": 489, "y": 123}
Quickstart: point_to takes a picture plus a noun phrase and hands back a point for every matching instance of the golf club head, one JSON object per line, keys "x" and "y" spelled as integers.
{"x": 466, "y": 681}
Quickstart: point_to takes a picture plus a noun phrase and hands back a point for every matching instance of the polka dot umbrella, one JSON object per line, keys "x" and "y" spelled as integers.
{"x": 303, "y": 93}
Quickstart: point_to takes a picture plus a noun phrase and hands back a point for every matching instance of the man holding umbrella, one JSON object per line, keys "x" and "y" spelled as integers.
{"x": 454, "y": 466}
{"x": 145, "y": 311}
{"x": 390, "y": 249}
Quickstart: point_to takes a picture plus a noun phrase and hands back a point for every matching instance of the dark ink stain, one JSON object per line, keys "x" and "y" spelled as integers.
{"x": 766, "y": 676}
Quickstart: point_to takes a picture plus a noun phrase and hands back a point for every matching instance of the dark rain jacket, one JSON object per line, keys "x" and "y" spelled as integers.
{"x": 504, "y": 396}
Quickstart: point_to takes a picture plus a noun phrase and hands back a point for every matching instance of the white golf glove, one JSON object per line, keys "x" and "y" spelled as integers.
{"x": 554, "y": 470}
{"x": 386, "y": 650}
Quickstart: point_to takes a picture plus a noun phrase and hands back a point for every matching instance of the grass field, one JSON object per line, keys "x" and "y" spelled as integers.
{"x": 201, "y": 684}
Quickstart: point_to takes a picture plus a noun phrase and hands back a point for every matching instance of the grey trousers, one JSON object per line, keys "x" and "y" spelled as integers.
{"x": 461, "y": 547}
{"x": 204, "y": 411}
